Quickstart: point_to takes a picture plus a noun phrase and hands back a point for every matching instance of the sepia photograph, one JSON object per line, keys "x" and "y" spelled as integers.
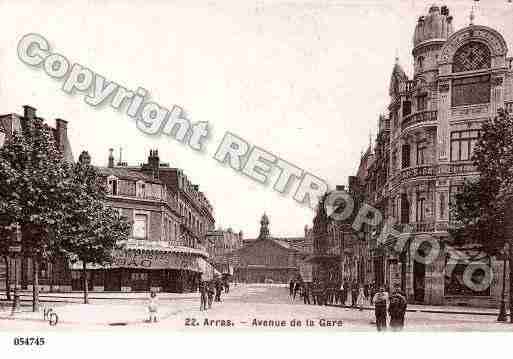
{"x": 314, "y": 168}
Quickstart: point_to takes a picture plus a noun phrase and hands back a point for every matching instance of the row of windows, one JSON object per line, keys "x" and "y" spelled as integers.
{"x": 461, "y": 148}
{"x": 463, "y": 144}
{"x": 421, "y": 209}
{"x": 420, "y": 154}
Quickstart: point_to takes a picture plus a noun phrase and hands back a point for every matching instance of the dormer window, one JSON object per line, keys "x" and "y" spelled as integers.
{"x": 112, "y": 182}
{"x": 140, "y": 189}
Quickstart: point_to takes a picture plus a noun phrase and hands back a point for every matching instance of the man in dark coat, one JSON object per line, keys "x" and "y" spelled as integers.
{"x": 380, "y": 301}
{"x": 297, "y": 288}
{"x": 219, "y": 288}
{"x": 306, "y": 293}
{"x": 354, "y": 294}
{"x": 291, "y": 288}
{"x": 397, "y": 309}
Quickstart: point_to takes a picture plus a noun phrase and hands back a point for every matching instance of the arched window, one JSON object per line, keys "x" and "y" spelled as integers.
{"x": 420, "y": 63}
{"x": 470, "y": 57}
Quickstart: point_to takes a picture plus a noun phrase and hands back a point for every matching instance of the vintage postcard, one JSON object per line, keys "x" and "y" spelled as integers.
{"x": 246, "y": 166}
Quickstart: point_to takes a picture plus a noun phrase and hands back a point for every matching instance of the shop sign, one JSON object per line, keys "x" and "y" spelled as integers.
{"x": 150, "y": 260}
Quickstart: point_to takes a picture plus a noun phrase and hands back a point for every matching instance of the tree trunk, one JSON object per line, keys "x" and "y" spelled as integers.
{"x": 35, "y": 284}
{"x": 86, "y": 284}
{"x": 510, "y": 281}
{"x": 7, "y": 282}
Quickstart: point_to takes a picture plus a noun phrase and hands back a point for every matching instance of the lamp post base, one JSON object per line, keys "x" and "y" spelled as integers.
{"x": 15, "y": 303}
{"x": 502, "y": 313}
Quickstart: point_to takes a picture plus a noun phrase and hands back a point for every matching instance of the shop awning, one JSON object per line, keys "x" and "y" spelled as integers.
{"x": 148, "y": 259}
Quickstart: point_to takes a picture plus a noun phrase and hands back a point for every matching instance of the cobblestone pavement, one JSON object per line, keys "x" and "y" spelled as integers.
{"x": 245, "y": 307}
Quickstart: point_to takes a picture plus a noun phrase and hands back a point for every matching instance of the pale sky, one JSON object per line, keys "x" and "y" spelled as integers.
{"x": 304, "y": 80}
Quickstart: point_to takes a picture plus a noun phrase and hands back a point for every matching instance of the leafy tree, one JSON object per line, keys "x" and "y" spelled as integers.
{"x": 480, "y": 209}
{"x": 33, "y": 186}
{"x": 91, "y": 230}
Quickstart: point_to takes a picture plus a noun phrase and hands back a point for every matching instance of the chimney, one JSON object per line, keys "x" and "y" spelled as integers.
{"x": 111, "y": 158}
{"x": 154, "y": 162}
{"x": 29, "y": 112}
{"x": 61, "y": 128}
{"x": 84, "y": 158}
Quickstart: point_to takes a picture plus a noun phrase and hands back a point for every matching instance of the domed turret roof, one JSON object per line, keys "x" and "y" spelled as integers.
{"x": 437, "y": 24}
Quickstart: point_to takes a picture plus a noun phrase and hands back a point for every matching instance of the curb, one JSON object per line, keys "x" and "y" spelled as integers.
{"x": 432, "y": 311}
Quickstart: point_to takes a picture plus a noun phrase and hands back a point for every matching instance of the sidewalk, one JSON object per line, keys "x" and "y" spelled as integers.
{"x": 99, "y": 314}
{"x": 436, "y": 309}
{"x": 67, "y": 297}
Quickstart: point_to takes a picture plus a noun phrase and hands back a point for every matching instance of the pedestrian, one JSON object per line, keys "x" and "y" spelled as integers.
{"x": 153, "y": 307}
{"x": 354, "y": 293}
{"x": 218, "y": 290}
{"x": 297, "y": 288}
{"x": 372, "y": 292}
{"x": 380, "y": 308}
{"x": 313, "y": 292}
{"x": 345, "y": 292}
{"x": 397, "y": 309}
{"x": 203, "y": 295}
{"x": 340, "y": 292}
{"x": 360, "y": 301}
{"x": 291, "y": 288}
{"x": 227, "y": 286}
{"x": 306, "y": 293}
{"x": 210, "y": 293}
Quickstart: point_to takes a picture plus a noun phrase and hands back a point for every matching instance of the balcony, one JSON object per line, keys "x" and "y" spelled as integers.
{"x": 456, "y": 168}
{"x": 418, "y": 117}
{"x": 415, "y": 227}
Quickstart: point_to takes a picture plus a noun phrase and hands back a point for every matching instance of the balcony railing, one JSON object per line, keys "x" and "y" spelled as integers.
{"x": 419, "y": 171}
{"x": 419, "y": 117}
{"x": 456, "y": 168}
{"x": 415, "y": 227}
{"x": 431, "y": 171}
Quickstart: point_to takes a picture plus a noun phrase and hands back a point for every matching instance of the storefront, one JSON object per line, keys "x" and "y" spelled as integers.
{"x": 144, "y": 270}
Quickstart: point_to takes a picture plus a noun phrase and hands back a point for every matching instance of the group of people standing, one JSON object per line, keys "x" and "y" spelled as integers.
{"x": 324, "y": 293}
{"x": 210, "y": 291}
{"x": 358, "y": 295}
{"x": 395, "y": 305}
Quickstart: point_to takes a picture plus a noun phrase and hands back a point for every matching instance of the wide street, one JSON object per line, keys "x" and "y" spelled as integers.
{"x": 248, "y": 307}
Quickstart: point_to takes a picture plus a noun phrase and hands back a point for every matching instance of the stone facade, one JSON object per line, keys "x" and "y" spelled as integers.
{"x": 421, "y": 156}
{"x": 267, "y": 258}
{"x": 221, "y": 242}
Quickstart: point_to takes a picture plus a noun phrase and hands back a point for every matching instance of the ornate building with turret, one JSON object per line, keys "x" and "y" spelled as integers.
{"x": 421, "y": 156}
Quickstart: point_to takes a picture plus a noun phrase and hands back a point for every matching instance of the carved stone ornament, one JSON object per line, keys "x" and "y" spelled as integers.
{"x": 484, "y": 34}
{"x": 497, "y": 81}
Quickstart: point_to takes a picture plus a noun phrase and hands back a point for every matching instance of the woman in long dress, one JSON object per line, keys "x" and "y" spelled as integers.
{"x": 360, "y": 301}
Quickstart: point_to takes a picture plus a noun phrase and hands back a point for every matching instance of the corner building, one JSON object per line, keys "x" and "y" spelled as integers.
{"x": 422, "y": 155}
{"x": 169, "y": 219}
